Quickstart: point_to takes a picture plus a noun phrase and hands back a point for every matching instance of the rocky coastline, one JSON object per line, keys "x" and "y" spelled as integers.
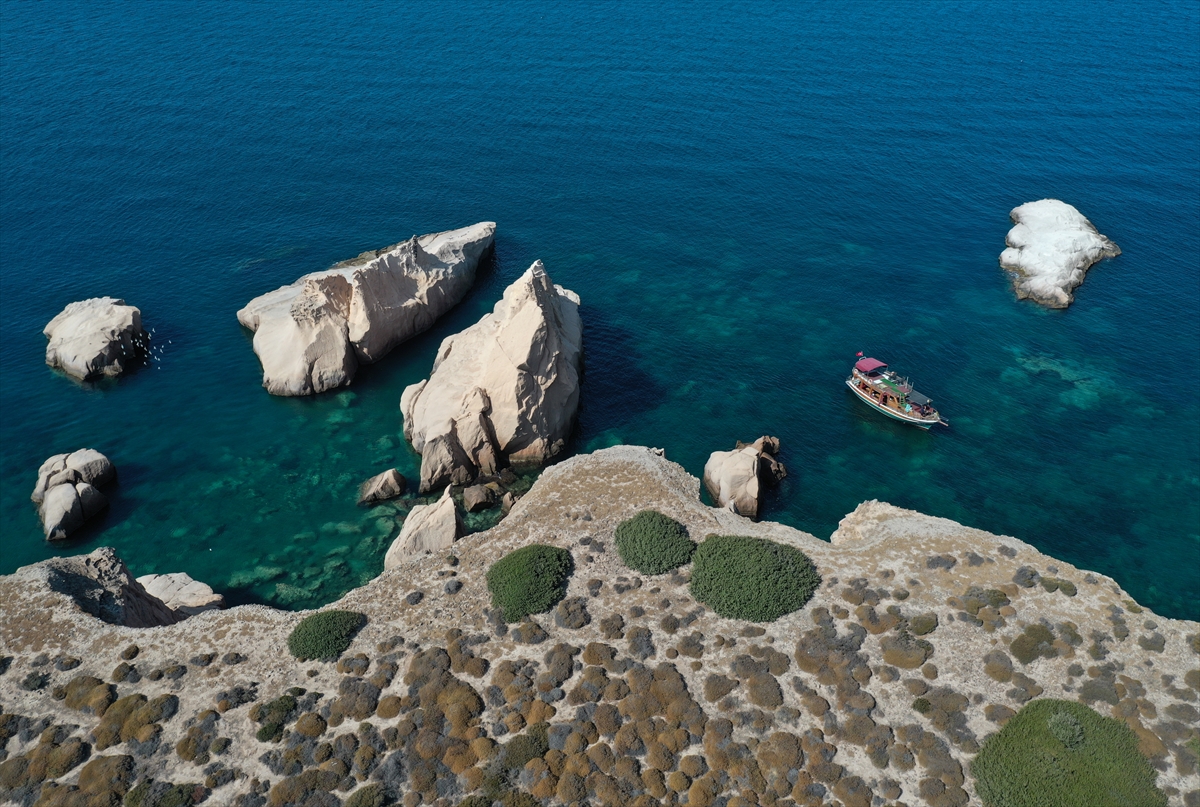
{"x": 924, "y": 638}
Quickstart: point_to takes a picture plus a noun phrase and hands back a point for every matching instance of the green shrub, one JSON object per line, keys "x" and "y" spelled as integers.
{"x": 751, "y": 578}
{"x": 325, "y": 635}
{"x": 652, "y": 543}
{"x": 524, "y": 747}
{"x": 1029, "y": 762}
{"x": 530, "y": 580}
{"x": 372, "y": 795}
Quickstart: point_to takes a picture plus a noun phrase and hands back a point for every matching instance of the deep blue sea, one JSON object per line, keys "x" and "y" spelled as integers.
{"x": 743, "y": 194}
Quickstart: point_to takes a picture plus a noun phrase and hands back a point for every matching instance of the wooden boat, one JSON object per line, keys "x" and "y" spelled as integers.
{"x": 889, "y": 393}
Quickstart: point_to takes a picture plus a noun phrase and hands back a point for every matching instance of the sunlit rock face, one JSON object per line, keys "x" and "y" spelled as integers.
{"x": 1050, "y": 250}
{"x": 97, "y": 337}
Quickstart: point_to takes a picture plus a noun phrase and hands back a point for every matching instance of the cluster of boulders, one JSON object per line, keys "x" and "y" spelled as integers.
{"x": 67, "y": 490}
{"x": 1050, "y": 248}
{"x": 736, "y": 479}
{"x": 311, "y": 335}
{"x": 183, "y": 595}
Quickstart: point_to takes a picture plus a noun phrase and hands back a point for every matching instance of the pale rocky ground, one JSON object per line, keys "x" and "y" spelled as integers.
{"x": 803, "y": 717}
{"x": 1050, "y": 248}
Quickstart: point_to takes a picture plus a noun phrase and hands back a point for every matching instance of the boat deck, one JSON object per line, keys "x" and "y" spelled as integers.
{"x": 890, "y": 394}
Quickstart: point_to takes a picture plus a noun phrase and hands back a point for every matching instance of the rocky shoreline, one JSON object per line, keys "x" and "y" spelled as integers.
{"x": 924, "y": 638}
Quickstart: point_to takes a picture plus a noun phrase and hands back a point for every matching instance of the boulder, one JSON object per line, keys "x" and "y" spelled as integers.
{"x": 478, "y": 497}
{"x": 1050, "y": 249}
{"x": 428, "y": 528}
{"x": 96, "y": 337}
{"x": 311, "y": 336}
{"x": 100, "y": 584}
{"x": 735, "y": 479}
{"x": 183, "y": 595}
{"x": 387, "y": 485}
{"x": 505, "y": 390}
{"x": 85, "y": 465}
{"x": 66, "y": 491}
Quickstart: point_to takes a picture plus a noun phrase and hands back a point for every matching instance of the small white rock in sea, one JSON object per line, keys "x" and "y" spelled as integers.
{"x": 1050, "y": 249}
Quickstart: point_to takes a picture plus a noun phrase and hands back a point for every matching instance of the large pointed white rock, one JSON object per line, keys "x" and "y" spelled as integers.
{"x": 95, "y": 337}
{"x": 735, "y": 479}
{"x": 1050, "y": 249}
{"x": 504, "y": 390}
{"x": 428, "y": 528}
{"x": 310, "y": 336}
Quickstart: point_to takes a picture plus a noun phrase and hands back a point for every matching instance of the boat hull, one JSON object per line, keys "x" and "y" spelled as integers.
{"x": 887, "y": 410}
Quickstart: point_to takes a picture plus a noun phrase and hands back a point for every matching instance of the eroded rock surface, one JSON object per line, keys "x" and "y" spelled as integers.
{"x": 505, "y": 390}
{"x": 428, "y": 528}
{"x": 387, "y": 485}
{"x": 183, "y": 595}
{"x": 924, "y": 638}
{"x": 66, "y": 491}
{"x": 311, "y": 335}
{"x": 96, "y": 337}
{"x": 1050, "y": 249}
{"x": 736, "y": 479}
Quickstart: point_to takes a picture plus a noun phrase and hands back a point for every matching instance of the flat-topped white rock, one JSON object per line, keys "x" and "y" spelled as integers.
{"x": 311, "y": 335}
{"x": 504, "y": 390}
{"x": 97, "y": 337}
{"x": 735, "y": 479}
{"x": 1049, "y": 251}
{"x": 66, "y": 490}
{"x": 428, "y": 528}
{"x": 183, "y": 595}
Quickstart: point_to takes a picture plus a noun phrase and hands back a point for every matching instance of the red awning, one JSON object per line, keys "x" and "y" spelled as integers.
{"x": 868, "y": 365}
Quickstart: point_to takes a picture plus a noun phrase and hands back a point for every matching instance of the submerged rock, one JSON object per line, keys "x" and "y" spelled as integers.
{"x": 387, "y": 485}
{"x": 1050, "y": 249}
{"x": 504, "y": 390}
{"x": 735, "y": 479}
{"x": 96, "y": 337}
{"x": 311, "y": 335}
{"x": 428, "y": 528}
{"x": 66, "y": 491}
{"x": 183, "y": 595}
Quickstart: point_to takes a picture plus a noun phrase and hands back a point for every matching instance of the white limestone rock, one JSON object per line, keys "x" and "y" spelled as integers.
{"x": 85, "y": 465}
{"x": 66, "y": 491}
{"x": 428, "y": 528}
{"x": 96, "y": 337}
{"x": 100, "y": 584}
{"x": 1049, "y": 251}
{"x": 735, "y": 479}
{"x": 505, "y": 389}
{"x": 183, "y": 595}
{"x": 311, "y": 336}
{"x": 387, "y": 485}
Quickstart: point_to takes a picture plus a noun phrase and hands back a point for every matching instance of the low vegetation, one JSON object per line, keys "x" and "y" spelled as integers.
{"x": 325, "y": 636}
{"x": 653, "y": 543}
{"x": 1063, "y": 753}
{"x": 751, "y": 578}
{"x": 529, "y": 580}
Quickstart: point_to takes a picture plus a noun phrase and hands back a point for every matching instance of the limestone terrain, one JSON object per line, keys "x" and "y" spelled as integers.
{"x": 97, "y": 337}
{"x": 1050, "y": 248}
{"x": 924, "y": 637}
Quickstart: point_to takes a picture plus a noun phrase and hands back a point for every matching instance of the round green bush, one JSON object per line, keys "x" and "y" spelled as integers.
{"x": 750, "y": 578}
{"x": 324, "y": 636}
{"x": 529, "y": 580}
{"x": 652, "y": 543}
{"x": 1063, "y": 753}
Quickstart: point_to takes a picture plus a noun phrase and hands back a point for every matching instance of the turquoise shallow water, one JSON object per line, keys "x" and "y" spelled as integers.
{"x": 744, "y": 196}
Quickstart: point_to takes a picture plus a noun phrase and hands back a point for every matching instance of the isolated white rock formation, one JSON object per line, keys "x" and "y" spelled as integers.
{"x": 504, "y": 390}
{"x": 387, "y": 485}
{"x": 311, "y": 335}
{"x": 428, "y": 528}
{"x": 735, "y": 479}
{"x": 66, "y": 491}
{"x": 1049, "y": 251}
{"x": 183, "y": 595}
{"x": 95, "y": 337}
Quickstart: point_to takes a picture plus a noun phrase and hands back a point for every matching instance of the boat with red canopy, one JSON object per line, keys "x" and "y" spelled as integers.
{"x": 889, "y": 393}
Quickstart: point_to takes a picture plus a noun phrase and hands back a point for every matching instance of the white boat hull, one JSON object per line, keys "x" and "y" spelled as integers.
{"x": 887, "y": 410}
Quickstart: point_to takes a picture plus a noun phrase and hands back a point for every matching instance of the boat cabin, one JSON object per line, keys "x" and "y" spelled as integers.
{"x": 884, "y": 390}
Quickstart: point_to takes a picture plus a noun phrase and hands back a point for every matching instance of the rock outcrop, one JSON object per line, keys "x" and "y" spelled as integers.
{"x": 735, "y": 479}
{"x": 505, "y": 390}
{"x": 183, "y": 595}
{"x": 66, "y": 490}
{"x": 387, "y": 485}
{"x": 100, "y": 584}
{"x": 428, "y": 528}
{"x": 1050, "y": 249}
{"x": 97, "y": 337}
{"x": 311, "y": 335}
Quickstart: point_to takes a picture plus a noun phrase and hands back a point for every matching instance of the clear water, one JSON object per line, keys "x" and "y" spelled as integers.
{"x": 744, "y": 195}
